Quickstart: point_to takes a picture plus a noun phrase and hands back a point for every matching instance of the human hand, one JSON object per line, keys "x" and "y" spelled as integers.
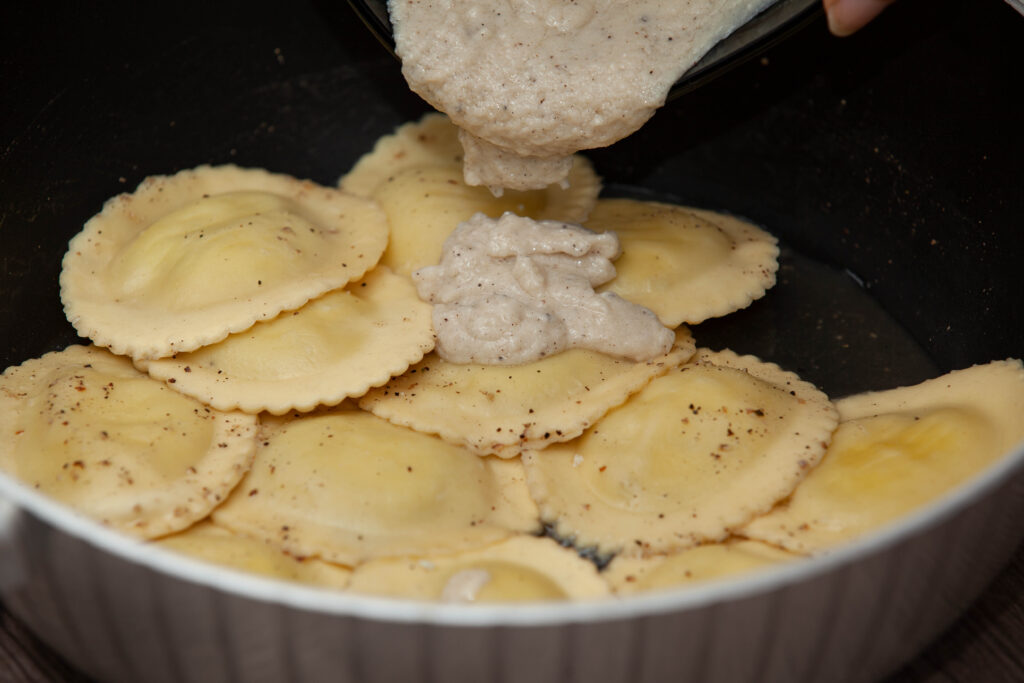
{"x": 847, "y": 16}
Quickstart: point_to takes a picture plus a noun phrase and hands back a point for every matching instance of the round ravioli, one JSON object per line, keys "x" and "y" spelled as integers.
{"x": 520, "y": 569}
{"x": 697, "y": 452}
{"x": 346, "y": 486}
{"x": 215, "y": 544}
{"x": 416, "y": 176}
{"x": 424, "y": 205}
{"x": 187, "y": 259}
{"x": 89, "y": 430}
{"x": 500, "y": 410}
{"x": 431, "y": 141}
{"x": 686, "y": 265}
{"x": 897, "y": 450}
{"x": 629, "y": 575}
{"x": 336, "y": 346}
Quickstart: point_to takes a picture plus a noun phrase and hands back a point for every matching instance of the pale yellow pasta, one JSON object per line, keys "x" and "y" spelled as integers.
{"x": 425, "y": 204}
{"x": 697, "y": 452}
{"x": 631, "y": 575}
{"x": 431, "y": 141}
{"x": 187, "y": 259}
{"x": 494, "y": 409}
{"x": 415, "y": 174}
{"x": 89, "y": 430}
{"x": 520, "y": 569}
{"x": 898, "y": 450}
{"x": 686, "y": 265}
{"x": 358, "y": 460}
{"x": 212, "y": 543}
{"x": 346, "y": 486}
{"x": 336, "y": 346}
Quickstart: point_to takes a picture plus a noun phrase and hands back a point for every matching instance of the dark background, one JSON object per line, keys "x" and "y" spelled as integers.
{"x": 894, "y": 156}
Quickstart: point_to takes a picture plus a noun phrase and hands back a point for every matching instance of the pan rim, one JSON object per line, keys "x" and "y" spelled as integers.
{"x": 344, "y": 604}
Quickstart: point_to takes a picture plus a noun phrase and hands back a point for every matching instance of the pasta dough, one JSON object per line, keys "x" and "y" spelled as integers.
{"x": 898, "y": 450}
{"x": 86, "y": 428}
{"x": 415, "y": 175}
{"x": 631, "y": 575}
{"x": 697, "y": 452}
{"x": 523, "y": 568}
{"x": 333, "y": 347}
{"x": 187, "y": 259}
{"x": 211, "y": 543}
{"x": 686, "y": 265}
{"x": 346, "y": 486}
{"x": 503, "y": 409}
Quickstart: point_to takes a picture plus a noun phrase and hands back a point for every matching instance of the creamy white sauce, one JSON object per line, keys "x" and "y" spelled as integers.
{"x": 513, "y": 290}
{"x": 534, "y": 81}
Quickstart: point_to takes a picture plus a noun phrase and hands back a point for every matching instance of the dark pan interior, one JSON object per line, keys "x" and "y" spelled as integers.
{"x": 888, "y": 164}
{"x": 894, "y": 155}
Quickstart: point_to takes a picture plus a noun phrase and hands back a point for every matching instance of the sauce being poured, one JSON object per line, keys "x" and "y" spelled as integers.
{"x": 530, "y": 82}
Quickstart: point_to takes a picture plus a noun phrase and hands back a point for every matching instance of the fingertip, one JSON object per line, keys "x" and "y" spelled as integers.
{"x": 836, "y": 26}
{"x": 846, "y": 17}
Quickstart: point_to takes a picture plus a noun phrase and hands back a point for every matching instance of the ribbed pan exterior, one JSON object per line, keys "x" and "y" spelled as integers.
{"x": 119, "y": 620}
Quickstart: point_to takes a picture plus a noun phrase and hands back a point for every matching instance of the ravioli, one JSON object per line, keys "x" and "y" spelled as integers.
{"x": 90, "y": 431}
{"x": 245, "y": 289}
{"x": 431, "y": 141}
{"x": 187, "y": 259}
{"x": 521, "y": 569}
{"x": 333, "y": 347}
{"x": 686, "y": 265}
{"x": 696, "y": 453}
{"x": 211, "y": 543}
{"x": 416, "y": 176}
{"x": 500, "y": 410}
{"x": 346, "y": 486}
{"x": 630, "y": 575}
{"x": 898, "y": 450}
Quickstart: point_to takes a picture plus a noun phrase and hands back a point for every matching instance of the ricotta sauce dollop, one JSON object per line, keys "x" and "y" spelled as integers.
{"x": 513, "y": 290}
{"x": 530, "y": 82}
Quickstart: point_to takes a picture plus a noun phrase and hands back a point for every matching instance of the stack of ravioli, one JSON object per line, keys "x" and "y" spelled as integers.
{"x": 262, "y": 393}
